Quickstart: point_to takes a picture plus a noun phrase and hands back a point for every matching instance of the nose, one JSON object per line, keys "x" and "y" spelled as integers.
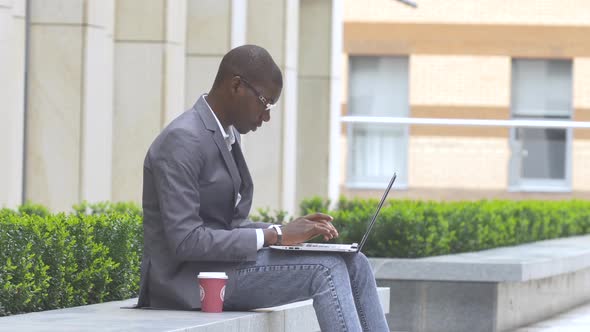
{"x": 266, "y": 116}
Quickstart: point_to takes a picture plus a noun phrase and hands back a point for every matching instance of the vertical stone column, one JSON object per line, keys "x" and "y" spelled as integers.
{"x": 97, "y": 101}
{"x": 70, "y": 106}
{"x": 213, "y": 28}
{"x": 320, "y": 52}
{"x": 12, "y": 74}
{"x": 149, "y": 84}
{"x": 271, "y": 152}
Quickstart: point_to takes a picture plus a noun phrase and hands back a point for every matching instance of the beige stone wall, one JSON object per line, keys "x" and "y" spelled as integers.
{"x": 12, "y": 44}
{"x": 148, "y": 84}
{"x": 208, "y": 38}
{"x": 315, "y": 97}
{"x": 526, "y": 12}
{"x": 97, "y": 105}
{"x": 459, "y": 80}
{"x": 107, "y": 75}
{"x": 270, "y": 151}
{"x": 70, "y": 102}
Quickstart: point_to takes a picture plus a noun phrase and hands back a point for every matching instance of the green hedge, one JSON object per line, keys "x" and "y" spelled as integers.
{"x": 413, "y": 229}
{"x": 91, "y": 255}
{"x": 50, "y": 261}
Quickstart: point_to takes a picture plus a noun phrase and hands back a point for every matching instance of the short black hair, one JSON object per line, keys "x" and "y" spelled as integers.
{"x": 251, "y": 62}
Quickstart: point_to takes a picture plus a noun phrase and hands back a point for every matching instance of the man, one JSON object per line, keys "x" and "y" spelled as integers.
{"x": 197, "y": 196}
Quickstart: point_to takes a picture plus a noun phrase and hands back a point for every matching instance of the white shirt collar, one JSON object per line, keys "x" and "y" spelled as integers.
{"x": 229, "y": 138}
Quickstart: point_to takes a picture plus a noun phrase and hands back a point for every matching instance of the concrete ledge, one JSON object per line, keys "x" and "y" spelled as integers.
{"x": 519, "y": 263}
{"x": 109, "y": 316}
{"x": 488, "y": 291}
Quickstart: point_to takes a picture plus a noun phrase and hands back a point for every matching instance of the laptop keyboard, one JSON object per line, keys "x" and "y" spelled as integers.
{"x": 325, "y": 245}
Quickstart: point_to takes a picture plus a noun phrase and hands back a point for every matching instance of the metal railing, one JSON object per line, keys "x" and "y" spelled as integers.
{"x": 467, "y": 122}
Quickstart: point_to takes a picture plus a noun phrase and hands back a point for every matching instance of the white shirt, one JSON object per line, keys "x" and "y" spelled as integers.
{"x": 230, "y": 139}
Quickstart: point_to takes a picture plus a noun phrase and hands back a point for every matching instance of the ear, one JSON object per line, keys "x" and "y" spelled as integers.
{"x": 235, "y": 84}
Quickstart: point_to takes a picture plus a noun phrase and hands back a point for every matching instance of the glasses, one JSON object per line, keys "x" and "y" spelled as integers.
{"x": 267, "y": 105}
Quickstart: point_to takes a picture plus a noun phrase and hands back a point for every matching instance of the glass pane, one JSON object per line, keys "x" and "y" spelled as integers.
{"x": 542, "y": 87}
{"x": 378, "y": 86}
{"x": 543, "y": 153}
{"x": 376, "y": 151}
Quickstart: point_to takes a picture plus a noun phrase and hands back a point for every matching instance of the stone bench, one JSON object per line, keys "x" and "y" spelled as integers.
{"x": 295, "y": 317}
{"x": 488, "y": 291}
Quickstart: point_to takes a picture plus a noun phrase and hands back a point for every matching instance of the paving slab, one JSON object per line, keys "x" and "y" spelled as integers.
{"x": 575, "y": 320}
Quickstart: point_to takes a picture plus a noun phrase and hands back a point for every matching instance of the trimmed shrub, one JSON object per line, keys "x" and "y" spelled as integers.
{"x": 50, "y": 261}
{"x": 413, "y": 229}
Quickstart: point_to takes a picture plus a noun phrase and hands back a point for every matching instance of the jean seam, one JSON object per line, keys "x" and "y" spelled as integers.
{"x": 267, "y": 268}
{"x": 335, "y": 298}
{"x": 359, "y": 309}
{"x": 327, "y": 271}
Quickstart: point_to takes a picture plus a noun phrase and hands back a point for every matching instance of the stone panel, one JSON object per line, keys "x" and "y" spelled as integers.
{"x": 140, "y": 20}
{"x": 97, "y": 116}
{"x": 267, "y": 25}
{"x": 208, "y": 27}
{"x": 12, "y": 39}
{"x": 53, "y": 119}
{"x": 139, "y": 70}
{"x": 313, "y": 142}
{"x": 200, "y": 74}
{"x": 264, "y": 149}
{"x": 176, "y": 21}
{"x": 315, "y": 35}
{"x": 101, "y": 13}
{"x": 524, "y": 303}
{"x": 431, "y": 306}
{"x": 174, "y": 82}
{"x": 58, "y": 11}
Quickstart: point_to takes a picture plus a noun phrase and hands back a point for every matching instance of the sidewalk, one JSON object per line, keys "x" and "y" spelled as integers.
{"x": 575, "y": 320}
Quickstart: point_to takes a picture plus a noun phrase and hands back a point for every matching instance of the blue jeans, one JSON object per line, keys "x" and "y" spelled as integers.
{"x": 341, "y": 285}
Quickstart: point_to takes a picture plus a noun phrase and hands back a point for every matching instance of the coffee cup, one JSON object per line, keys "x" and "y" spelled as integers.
{"x": 212, "y": 290}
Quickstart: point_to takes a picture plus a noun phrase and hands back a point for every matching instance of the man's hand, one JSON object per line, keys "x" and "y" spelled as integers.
{"x": 307, "y": 227}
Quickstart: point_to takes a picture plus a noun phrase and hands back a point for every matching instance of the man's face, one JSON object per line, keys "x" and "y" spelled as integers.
{"x": 255, "y": 103}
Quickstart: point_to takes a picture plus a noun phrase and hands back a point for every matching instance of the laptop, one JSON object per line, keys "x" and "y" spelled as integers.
{"x": 355, "y": 247}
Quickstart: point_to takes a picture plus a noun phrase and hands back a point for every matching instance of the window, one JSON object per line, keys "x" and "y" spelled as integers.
{"x": 378, "y": 86}
{"x": 541, "y": 157}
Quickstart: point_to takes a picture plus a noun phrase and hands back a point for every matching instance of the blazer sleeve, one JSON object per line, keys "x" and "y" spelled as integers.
{"x": 176, "y": 172}
{"x": 247, "y": 223}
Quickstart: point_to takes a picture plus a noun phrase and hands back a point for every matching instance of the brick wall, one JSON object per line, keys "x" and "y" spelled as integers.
{"x": 544, "y": 12}
{"x": 581, "y": 73}
{"x": 459, "y": 80}
{"x": 458, "y": 162}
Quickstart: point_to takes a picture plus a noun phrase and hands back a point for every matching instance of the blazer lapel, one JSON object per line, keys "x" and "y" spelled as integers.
{"x": 211, "y": 124}
{"x": 242, "y": 167}
{"x": 247, "y": 187}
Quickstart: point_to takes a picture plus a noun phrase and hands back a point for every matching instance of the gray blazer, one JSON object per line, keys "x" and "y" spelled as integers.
{"x": 190, "y": 185}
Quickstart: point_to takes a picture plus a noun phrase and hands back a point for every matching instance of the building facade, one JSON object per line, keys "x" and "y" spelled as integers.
{"x": 513, "y": 61}
{"x": 86, "y": 85}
